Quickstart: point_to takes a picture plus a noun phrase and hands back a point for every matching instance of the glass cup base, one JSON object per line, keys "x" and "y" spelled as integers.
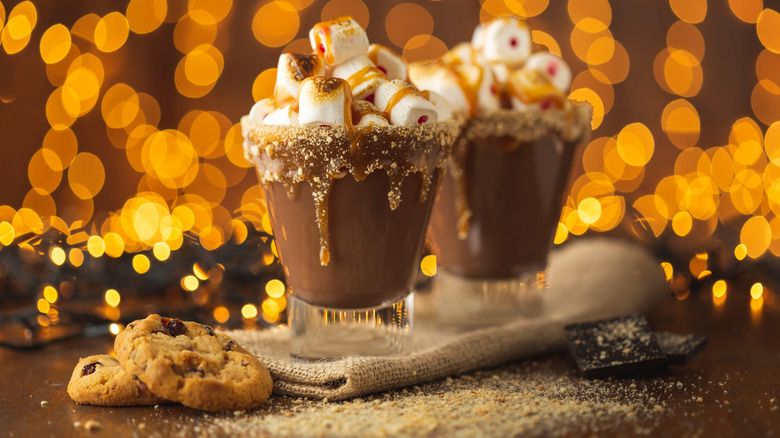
{"x": 464, "y": 302}
{"x": 319, "y": 333}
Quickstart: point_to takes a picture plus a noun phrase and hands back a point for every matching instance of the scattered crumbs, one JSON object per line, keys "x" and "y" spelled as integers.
{"x": 142, "y": 425}
{"x": 699, "y": 400}
{"x": 44, "y": 403}
{"x": 77, "y": 424}
{"x": 157, "y": 406}
{"x": 92, "y": 425}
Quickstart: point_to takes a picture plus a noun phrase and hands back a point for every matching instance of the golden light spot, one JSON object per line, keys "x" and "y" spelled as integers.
{"x": 561, "y": 233}
{"x": 767, "y": 26}
{"x": 691, "y": 11}
{"x": 267, "y": 224}
{"x": 190, "y": 283}
{"x": 585, "y": 33}
{"x": 270, "y": 308}
{"x": 169, "y": 156}
{"x": 590, "y": 96}
{"x": 274, "y": 288}
{"x": 339, "y": 8}
{"x": 746, "y": 10}
{"x": 616, "y": 69}
{"x": 209, "y": 11}
{"x": 85, "y": 26}
{"x": 249, "y": 311}
{"x": 18, "y": 29}
{"x": 668, "y": 270}
{"x": 43, "y": 179}
{"x": 428, "y": 265}
{"x": 240, "y": 231}
{"x": 683, "y": 73}
{"x": 600, "y": 51}
{"x": 682, "y": 223}
{"x": 2, "y": 16}
{"x": 111, "y": 32}
{"x": 756, "y": 291}
{"x": 768, "y": 70}
{"x": 274, "y": 250}
{"x": 202, "y": 66}
{"x": 120, "y": 106}
{"x": 144, "y": 16}
{"x": 96, "y": 246}
{"x": 527, "y": 8}
{"x": 58, "y": 118}
{"x": 545, "y": 39}
{"x": 719, "y": 289}
{"x": 652, "y": 214}
{"x": 589, "y": 210}
{"x": 263, "y": 86}
{"x": 60, "y": 148}
{"x": 740, "y": 251}
{"x": 680, "y": 121}
{"x": 600, "y": 10}
{"x": 221, "y": 314}
{"x": 764, "y": 102}
{"x": 112, "y": 297}
{"x": 275, "y": 24}
{"x": 50, "y": 294}
{"x": 161, "y": 251}
{"x": 686, "y": 36}
{"x": 421, "y": 48}
{"x": 211, "y": 237}
{"x": 114, "y": 244}
{"x": 406, "y": 20}
{"x": 76, "y": 257}
{"x": 635, "y": 144}
{"x": 80, "y": 91}
{"x": 743, "y": 130}
{"x": 55, "y": 44}
{"x": 199, "y": 272}
{"x": 86, "y": 175}
{"x": 756, "y": 235}
{"x": 57, "y": 255}
{"x": 115, "y": 328}
{"x": 43, "y": 306}
{"x": 141, "y": 263}
{"x": 205, "y": 133}
{"x": 6, "y": 233}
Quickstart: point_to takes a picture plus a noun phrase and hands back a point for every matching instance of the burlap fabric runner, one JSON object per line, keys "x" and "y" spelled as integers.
{"x": 592, "y": 279}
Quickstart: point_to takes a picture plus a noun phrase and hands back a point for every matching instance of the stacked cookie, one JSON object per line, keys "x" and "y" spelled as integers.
{"x": 165, "y": 359}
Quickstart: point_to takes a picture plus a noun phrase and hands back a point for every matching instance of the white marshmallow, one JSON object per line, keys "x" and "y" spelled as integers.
{"x": 361, "y": 74}
{"x": 442, "y": 80}
{"x": 478, "y": 38}
{"x": 338, "y": 40}
{"x": 533, "y": 89}
{"x": 261, "y": 108}
{"x": 368, "y": 114}
{"x": 282, "y": 116}
{"x": 507, "y": 39}
{"x": 463, "y": 53}
{"x": 443, "y": 107}
{"x": 479, "y": 79}
{"x": 388, "y": 61}
{"x": 404, "y": 103}
{"x": 500, "y": 71}
{"x": 292, "y": 69}
{"x": 552, "y": 65}
{"x": 324, "y": 101}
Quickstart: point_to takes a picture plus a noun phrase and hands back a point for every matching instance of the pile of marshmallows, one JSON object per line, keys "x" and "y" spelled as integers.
{"x": 346, "y": 81}
{"x": 500, "y": 68}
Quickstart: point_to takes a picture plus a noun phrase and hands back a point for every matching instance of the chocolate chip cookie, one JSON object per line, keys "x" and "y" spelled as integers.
{"x": 100, "y": 380}
{"x": 187, "y": 362}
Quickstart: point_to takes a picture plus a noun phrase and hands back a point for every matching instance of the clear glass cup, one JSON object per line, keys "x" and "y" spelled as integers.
{"x": 494, "y": 223}
{"x": 354, "y": 295}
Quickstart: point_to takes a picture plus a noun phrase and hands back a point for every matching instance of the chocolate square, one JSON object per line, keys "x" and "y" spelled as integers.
{"x": 680, "y": 349}
{"x": 615, "y": 347}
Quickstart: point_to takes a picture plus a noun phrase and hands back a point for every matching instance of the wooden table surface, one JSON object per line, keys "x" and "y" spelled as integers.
{"x": 737, "y": 378}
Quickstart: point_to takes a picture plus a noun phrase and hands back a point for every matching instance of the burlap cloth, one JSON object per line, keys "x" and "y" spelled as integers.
{"x": 592, "y": 279}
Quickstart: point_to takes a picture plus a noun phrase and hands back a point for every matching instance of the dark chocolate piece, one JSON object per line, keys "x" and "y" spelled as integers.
{"x": 680, "y": 349}
{"x": 615, "y": 347}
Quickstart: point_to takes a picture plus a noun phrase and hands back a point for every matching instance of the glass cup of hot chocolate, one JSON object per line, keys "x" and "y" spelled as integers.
{"x": 349, "y": 155}
{"x": 495, "y": 220}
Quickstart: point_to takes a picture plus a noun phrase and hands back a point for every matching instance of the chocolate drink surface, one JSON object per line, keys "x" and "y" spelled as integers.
{"x": 374, "y": 250}
{"x": 513, "y": 191}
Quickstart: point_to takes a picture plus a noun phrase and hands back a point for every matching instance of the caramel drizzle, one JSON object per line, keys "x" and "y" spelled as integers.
{"x": 364, "y": 75}
{"x": 470, "y": 90}
{"x": 322, "y": 39}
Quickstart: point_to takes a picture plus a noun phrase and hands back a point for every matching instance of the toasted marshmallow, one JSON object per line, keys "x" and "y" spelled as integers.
{"x": 260, "y": 109}
{"x": 506, "y": 39}
{"x": 532, "y": 89}
{"x": 366, "y": 114}
{"x": 324, "y": 102}
{"x": 404, "y": 104}
{"x": 443, "y": 107}
{"x": 282, "y": 116}
{"x": 387, "y": 60}
{"x": 480, "y": 84}
{"x": 463, "y": 53}
{"x": 338, "y": 40}
{"x": 440, "y": 79}
{"x": 555, "y": 67}
{"x": 292, "y": 69}
{"x": 361, "y": 74}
